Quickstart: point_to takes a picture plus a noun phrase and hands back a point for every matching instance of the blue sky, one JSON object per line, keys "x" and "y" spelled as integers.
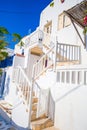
{"x": 21, "y": 16}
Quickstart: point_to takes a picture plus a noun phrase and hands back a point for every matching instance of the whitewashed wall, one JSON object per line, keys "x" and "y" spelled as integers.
{"x": 19, "y": 61}
{"x": 68, "y": 34}
{"x": 32, "y": 59}
{"x": 71, "y": 108}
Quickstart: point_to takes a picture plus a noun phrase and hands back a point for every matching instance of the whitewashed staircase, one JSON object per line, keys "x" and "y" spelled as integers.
{"x": 66, "y": 54}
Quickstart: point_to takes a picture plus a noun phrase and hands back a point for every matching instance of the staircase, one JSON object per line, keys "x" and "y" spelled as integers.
{"x": 6, "y": 107}
{"x": 41, "y": 122}
{"x": 66, "y": 55}
{"x": 24, "y": 91}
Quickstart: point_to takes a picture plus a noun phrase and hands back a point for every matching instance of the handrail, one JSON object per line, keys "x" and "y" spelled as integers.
{"x": 68, "y": 52}
{"x": 43, "y": 96}
{"x": 23, "y": 84}
{"x": 35, "y": 37}
{"x": 43, "y": 64}
{"x": 24, "y": 75}
{"x": 25, "y": 87}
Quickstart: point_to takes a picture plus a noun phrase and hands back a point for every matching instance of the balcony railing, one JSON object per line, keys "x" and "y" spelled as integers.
{"x": 76, "y": 74}
{"x": 43, "y": 64}
{"x": 35, "y": 38}
{"x": 67, "y": 52}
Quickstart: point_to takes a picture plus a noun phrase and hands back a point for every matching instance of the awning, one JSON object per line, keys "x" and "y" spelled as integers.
{"x": 78, "y": 12}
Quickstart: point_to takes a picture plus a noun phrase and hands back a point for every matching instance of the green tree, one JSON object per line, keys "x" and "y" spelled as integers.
{"x": 4, "y": 42}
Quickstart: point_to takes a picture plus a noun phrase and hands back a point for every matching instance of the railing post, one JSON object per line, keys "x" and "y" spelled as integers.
{"x": 80, "y": 55}
{"x": 30, "y": 101}
{"x": 56, "y": 46}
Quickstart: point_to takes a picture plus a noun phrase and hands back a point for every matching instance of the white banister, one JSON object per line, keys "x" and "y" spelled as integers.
{"x": 76, "y": 74}
{"x": 24, "y": 87}
{"x": 35, "y": 38}
{"x": 44, "y": 63}
{"x": 68, "y": 52}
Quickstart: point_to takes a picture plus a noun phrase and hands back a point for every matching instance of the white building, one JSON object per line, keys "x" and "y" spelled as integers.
{"x": 50, "y": 77}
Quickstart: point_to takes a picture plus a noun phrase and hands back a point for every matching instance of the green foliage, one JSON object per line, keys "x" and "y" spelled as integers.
{"x": 16, "y": 37}
{"x": 85, "y": 30}
{"x": 51, "y": 4}
{"x": 3, "y": 42}
{"x": 3, "y": 31}
{"x": 3, "y": 55}
{"x": 21, "y": 43}
{"x": 0, "y": 71}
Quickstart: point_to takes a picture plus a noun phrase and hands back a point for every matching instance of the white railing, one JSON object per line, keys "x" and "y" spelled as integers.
{"x": 43, "y": 64}
{"x": 24, "y": 89}
{"x": 67, "y": 52}
{"x": 46, "y": 40}
{"x": 43, "y": 96}
{"x": 23, "y": 84}
{"x": 34, "y": 38}
{"x": 75, "y": 74}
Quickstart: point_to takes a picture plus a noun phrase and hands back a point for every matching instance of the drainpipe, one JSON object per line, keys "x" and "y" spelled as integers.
{"x": 55, "y": 60}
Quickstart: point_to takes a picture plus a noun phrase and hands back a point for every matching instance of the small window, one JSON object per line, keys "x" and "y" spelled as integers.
{"x": 67, "y": 21}
{"x": 48, "y": 27}
{"x": 63, "y": 21}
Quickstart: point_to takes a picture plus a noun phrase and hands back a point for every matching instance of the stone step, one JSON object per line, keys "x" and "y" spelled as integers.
{"x": 51, "y": 128}
{"x": 6, "y": 107}
{"x": 34, "y": 100}
{"x": 34, "y": 106}
{"x": 42, "y": 124}
{"x": 34, "y": 118}
{"x": 67, "y": 63}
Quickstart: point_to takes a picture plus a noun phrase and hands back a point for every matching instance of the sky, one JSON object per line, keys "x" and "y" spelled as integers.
{"x": 21, "y": 16}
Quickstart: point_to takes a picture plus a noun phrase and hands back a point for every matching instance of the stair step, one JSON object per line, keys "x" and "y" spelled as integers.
{"x": 51, "y": 128}
{"x": 67, "y": 63}
{"x": 34, "y": 118}
{"x": 48, "y": 123}
{"x": 34, "y": 100}
{"x": 6, "y": 107}
{"x": 42, "y": 124}
{"x": 34, "y": 106}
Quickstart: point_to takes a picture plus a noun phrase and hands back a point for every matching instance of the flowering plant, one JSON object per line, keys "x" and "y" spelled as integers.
{"x": 85, "y": 20}
{"x": 85, "y": 23}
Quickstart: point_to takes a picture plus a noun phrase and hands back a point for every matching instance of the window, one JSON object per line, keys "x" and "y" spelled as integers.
{"x": 63, "y": 21}
{"x": 60, "y": 21}
{"x": 48, "y": 27}
{"x": 67, "y": 21}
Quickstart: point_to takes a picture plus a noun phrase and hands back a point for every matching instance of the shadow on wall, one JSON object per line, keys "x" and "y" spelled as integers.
{"x": 2, "y": 83}
{"x": 8, "y": 122}
{"x": 68, "y": 92}
{"x": 6, "y": 86}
